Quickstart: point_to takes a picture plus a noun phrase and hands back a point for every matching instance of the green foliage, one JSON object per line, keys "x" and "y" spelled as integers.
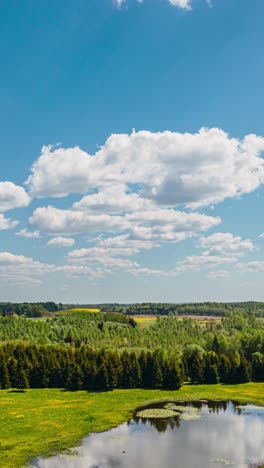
{"x": 25, "y": 365}
{"x": 129, "y": 356}
{"x": 26, "y": 309}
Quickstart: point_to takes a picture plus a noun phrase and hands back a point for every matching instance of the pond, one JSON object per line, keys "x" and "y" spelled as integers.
{"x": 174, "y": 435}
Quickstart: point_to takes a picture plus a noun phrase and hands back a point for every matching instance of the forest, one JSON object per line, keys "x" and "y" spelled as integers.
{"x": 97, "y": 351}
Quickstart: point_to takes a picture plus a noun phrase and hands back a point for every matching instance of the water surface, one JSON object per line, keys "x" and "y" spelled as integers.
{"x": 222, "y": 434}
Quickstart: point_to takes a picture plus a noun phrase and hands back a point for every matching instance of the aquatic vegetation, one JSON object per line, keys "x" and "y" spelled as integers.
{"x": 186, "y": 413}
{"x": 156, "y": 413}
{"x": 223, "y": 462}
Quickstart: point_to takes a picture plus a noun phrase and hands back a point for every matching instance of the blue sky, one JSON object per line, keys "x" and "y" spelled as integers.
{"x": 132, "y": 146}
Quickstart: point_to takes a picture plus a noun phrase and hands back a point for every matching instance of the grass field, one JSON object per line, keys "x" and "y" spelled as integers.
{"x": 49, "y": 420}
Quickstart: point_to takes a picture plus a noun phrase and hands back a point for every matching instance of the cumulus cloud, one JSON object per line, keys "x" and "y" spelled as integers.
{"x": 113, "y": 259}
{"x": 183, "y": 4}
{"x": 29, "y": 234}
{"x": 160, "y": 224}
{"x": 56, "y": 221}
{"x": 169, "y": 168}
{"x": 61, "y": 242}
{"x": 65, "y": 171}
{"x": 218, "y": 274}
{"x": 113, "y": 199}
{"x": 194, "y": 263}
{"x": 221, "y": 248}
{"x": 252, "y": 267}
{"x": 12, "y": 196}
{"x": 74, "y": 271}
{"x": 126, "y": 241}
{"x": 7, "y": 223}
{"x": 150, "y": 272}
{"x": 24, "y": 270}
{"x": 119, "y": 3}
{"x": 100, "y": 252}
{"x": 21, "y": 269}
{"x": 225, "y": 244}
{"x": 144, "y": 189}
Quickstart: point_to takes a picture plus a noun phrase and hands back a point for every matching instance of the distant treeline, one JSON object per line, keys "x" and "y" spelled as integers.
{"x": 28, "y": 309}
{"x": 204, "y": 308}
{"x": 39, "y": 309}
{"x": 29, "y": 365}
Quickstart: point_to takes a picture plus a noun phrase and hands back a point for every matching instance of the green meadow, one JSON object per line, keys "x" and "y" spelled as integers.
{"x": 45, "y": 421}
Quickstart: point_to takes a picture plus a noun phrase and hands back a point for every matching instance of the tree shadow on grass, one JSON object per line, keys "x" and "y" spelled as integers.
{"x": 16, "y": 391}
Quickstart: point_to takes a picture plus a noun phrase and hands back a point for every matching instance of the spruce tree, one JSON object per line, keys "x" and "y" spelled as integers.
{"x": 4, "y": 377}
{"x": 196, "y": 368}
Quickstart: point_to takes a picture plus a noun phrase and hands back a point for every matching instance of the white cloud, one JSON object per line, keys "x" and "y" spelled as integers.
{"x": 194, "y": 263}
{"x": 119, "y": 3}
{"x": 113, "y": 199}
{"x": 218, "y": 274}
{"x": 55, "y": 221}
{"x": 169, "y": 168}
{"x": 109, "y": 257}
{"x": 137, "y": 193}
{"x": 166, "y": 225}
{"x": 24, "y": 270}
{"x": 112, "y": 259}
{"x": 28, "y": 234}
{"x": 184, "y": 4}
{"x": 100, "y": 252}
{"x": 225, "y": 244}
{"x": 21, "y": 269}
{"x": 61, "y": 242}
{"x": 252, "y": 267}
{"x": 150, "y": 272}
{"x": 74, "y": 271}
{"x": 7, "y": 223}
{"x": 12, "y": 196}
{"x": 126, "y": 241}
{"x": 59, "y": 172}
